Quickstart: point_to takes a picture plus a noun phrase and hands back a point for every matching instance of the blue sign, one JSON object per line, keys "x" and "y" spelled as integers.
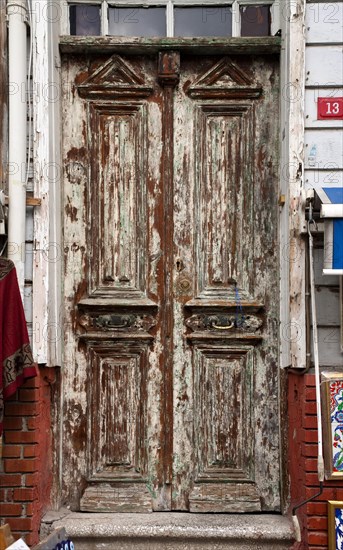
{"x": 334, "y": 194}
{"x": 337, "y": 244}
{"x": 65, "y": 545}
{"x": 339, "y": 528}
{"x": 333, "y": 229}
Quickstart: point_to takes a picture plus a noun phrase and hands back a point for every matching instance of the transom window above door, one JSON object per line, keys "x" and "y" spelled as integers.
{"x": 171, "y": 18}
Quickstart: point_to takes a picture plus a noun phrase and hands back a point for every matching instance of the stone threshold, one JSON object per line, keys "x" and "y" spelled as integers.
{"x": 172, "y": 530}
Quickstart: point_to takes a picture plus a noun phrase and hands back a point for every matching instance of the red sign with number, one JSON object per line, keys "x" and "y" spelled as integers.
{"x": 330, "y": 107}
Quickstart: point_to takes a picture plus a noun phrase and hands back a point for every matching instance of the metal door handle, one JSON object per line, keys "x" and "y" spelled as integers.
{"x": 114, "y": 321}
{"x": 223, "y": 327}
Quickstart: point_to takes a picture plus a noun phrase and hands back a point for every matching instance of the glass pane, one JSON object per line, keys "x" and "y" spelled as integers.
{"x": 85, "y": 19}
{"x": 137, "y": 21}
{"x": 255, "y": 20}
{"x": 203, "y": 21}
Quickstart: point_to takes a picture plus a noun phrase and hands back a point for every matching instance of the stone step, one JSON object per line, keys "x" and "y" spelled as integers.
{"x": 173, "y": 531}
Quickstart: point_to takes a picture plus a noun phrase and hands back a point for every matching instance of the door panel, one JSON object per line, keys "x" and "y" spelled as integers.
{"x": 171, "y": 374}
{"x": 116, "y": 416}
{"x": 117, "y": 198}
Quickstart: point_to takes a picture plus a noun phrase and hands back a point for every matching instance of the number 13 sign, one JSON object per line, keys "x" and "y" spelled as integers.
{"x": 330, "y": 107}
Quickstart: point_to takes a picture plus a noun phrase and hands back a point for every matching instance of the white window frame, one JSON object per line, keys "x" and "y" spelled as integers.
{"x": 235, "y": 5}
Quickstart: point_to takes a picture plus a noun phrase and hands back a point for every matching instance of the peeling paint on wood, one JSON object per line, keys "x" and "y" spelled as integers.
{"x": 46, "y": 165}
{"x": 41, "y": 160}
{"x": 166, "y": 225}
{"x": 267, "y": 45}
{"x": 294, "y": 253}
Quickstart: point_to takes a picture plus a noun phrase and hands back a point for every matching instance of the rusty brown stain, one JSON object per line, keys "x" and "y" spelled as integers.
{"x": 81, "y": 290}
{"x": 71, "y": 212}
{"x": 81, "y": 77}
{"x": 169, "y": 74}
{"x": 75, "y": 153}
{"x": 79, "y": 423}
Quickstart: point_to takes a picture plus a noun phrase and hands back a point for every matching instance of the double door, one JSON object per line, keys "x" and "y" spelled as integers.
{"x": 170, "y": 379}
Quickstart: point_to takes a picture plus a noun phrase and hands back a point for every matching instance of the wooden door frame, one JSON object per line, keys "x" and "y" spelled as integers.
{"x": 47, "y": 218}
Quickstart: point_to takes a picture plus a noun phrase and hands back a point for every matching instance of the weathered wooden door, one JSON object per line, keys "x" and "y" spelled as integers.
{"x": 171, "y": 283}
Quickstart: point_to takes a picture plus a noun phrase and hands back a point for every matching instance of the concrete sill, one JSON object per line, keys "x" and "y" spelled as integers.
{"x": 171, "y": 530}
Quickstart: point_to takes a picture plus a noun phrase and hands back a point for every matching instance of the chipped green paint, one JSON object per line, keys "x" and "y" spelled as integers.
{"x": 150, "y": 486}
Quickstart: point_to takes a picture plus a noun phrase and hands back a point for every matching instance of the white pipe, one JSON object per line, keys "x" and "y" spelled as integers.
{"x": 332, "y": 271}
{"x": 320, "y": 464}
{"x": 331, "y": 211}
{"x": 17, "y": 70}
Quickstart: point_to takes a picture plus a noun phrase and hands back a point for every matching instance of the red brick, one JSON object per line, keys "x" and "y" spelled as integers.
{"x": 24, "y": 494}
{"x": 315, "y": 509}
{"x": 310, "y": 436}
{"x": 31, "y": 480}
{"x": 30, "y": 451}
{"x": 11, "y": 423}
{"x": 21, "y": 437}
{"x": 318, "y": 537}
{"x": 310, "y": 394}
{"x": 20, "y": 465}
{"x": 310, "y": 422}
{"x": 310, "y": 379}
{"x": 310, "y": 408}
{"x": 31, "y": 539}
{"x": 8, "y": 495}
{"x": 13, "y": 397}
{"x": 29, "y": 394}
{"x": 32, "y": 382}
{"x": 10, "y": 509}
{"x": 22, "y": 409}
{"x": 309, "y": 450}
{"x": 10, "y": 480}
{"x": 29, "y": 509}
{"x": 311, "y": 479}
{"x": 11, "y": 451}
{"x": 327, "y": 494}
{"x": 310, "y": 464}
{"x": 317, "y": 523}
{"x": 20, "y": 524}
{"x": 33, "y": 423}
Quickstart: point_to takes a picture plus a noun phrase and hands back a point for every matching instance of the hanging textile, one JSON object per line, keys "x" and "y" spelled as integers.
{"x": 16, "y": 362}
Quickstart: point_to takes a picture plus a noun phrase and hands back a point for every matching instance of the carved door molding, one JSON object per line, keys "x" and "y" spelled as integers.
{"x": 171, "y": 283}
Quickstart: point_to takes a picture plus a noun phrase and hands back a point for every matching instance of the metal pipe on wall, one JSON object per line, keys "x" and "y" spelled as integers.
{"x": 17, "y": 71}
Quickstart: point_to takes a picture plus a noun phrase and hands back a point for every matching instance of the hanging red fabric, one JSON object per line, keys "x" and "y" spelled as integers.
{"x": 16, "y": 361}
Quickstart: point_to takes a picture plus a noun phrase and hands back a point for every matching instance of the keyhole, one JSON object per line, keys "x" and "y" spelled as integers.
{"x": 179, "y": 265}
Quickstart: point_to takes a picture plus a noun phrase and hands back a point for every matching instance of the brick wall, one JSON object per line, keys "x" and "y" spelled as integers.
{"x": 25, "y": 471}
{"x": 303, "y": 464}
